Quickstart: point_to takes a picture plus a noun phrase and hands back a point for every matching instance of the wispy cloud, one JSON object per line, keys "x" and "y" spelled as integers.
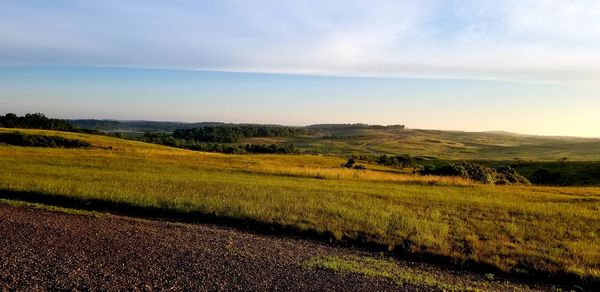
{"x": 523, "y": 40}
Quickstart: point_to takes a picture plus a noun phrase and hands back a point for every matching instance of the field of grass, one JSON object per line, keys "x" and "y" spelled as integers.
{"x": 517, "y": 229}
{"x": 444, "y": 144}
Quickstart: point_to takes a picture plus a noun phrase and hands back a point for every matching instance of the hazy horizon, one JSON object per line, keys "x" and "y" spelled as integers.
{"x": 448, "y": 65}
{"x": 196, "y": 96}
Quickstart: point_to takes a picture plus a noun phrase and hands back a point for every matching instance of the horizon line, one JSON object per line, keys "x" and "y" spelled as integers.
{"x": 349, "y": 123}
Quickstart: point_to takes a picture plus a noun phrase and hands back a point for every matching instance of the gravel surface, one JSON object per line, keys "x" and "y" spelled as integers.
{"x": 41, "y": 250}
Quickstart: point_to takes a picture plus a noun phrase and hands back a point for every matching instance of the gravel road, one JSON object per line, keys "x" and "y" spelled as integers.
{"x": 41, "y": 249}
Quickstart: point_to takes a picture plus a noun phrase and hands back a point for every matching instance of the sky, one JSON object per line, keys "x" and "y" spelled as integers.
{"x": 526, "y": 66}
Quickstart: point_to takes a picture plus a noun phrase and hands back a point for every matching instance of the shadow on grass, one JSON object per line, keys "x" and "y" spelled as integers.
{"x": 430, "y": 182}
{"x": 361, "y": 240}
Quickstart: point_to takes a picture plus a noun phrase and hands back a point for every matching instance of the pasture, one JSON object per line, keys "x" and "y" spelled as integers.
{"x": 514, "y": 229}
{"x": 453, "y": 145}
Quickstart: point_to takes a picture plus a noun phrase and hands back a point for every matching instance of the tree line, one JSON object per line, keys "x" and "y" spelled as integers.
{"x": 211, "y": 138}
{"x": 172, "y": 141}
{"x": 34, "y": 121}
{"x": 137, "y": 126}
{"x": 330, "y": 127}
{"x": 26, "y": 140}
{"x": 235, "y": 133}
{"x": 40, "y": 121}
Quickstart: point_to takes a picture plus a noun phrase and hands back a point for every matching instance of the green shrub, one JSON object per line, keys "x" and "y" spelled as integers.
{"x": 477, "y": 172}
{"x": 350, "y": 163}
{"x": 359, "y": 167}
{"x": 398, "y": 161}
{"x": 508, "y": 175}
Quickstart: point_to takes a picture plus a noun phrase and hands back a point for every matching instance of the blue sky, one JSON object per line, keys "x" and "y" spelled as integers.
{"x": 525, "y": 66}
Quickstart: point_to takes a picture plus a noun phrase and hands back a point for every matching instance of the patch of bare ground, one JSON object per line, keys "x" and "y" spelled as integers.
{"x": 42, "y": 249}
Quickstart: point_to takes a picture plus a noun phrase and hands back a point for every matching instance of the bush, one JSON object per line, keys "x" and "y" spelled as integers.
{"x": 480, "y": 173}
{"x": 350, "y": 163}
{"x": 398, "y": 161}
{"x": 448, "y": 170}
{"x": 508, "y": 175}
{"x": 476, "y": 172}
{"x": 359, "y": 167}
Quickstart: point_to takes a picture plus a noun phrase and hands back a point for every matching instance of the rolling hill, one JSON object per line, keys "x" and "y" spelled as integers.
{"x": 345, "y": 139}
{"x": 528, "y": 230}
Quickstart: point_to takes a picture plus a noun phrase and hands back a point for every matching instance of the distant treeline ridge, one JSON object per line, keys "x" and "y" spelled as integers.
{"x": 40, "y": 121}
{"x": 172, "y": 141}
{"x": 154, "y": 126}
{"x": 26, "y": 140}
{"x": 352, "y": 126}
{"x": 34, "y": 121}
{"x": 235, "y": 134}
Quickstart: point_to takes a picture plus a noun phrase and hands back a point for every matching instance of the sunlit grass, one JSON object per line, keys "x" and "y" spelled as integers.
{"x": 515, "y": 229}
{"x": 453, "y": 145}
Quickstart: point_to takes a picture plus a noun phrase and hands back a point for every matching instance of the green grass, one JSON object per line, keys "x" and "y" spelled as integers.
{"x": 551, "y": 230}
{"x": 445, "y": 144}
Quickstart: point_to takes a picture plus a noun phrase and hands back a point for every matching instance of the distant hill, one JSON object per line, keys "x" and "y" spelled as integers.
{"x": 443, "y": 144}
{"x": 137, "y": 126}
{"x": 155, "y": 126}
{"x": 360, "y": 139}
{"x": 334, "y": 127}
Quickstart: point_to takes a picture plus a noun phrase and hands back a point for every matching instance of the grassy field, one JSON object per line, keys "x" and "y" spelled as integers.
{"x": 444, "y": 144}
{"x": 517, "y": 229}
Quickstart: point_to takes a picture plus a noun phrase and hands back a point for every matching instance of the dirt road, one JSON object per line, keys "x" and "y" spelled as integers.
{"x": 43, "y": 249}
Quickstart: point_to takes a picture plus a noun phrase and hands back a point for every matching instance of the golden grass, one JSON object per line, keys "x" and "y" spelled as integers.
{"x": 311, "y": 166}
{"x": 516, "y": 229}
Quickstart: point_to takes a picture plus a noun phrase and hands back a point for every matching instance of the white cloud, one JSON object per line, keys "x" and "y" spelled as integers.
{"x": 524, "y": 40}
